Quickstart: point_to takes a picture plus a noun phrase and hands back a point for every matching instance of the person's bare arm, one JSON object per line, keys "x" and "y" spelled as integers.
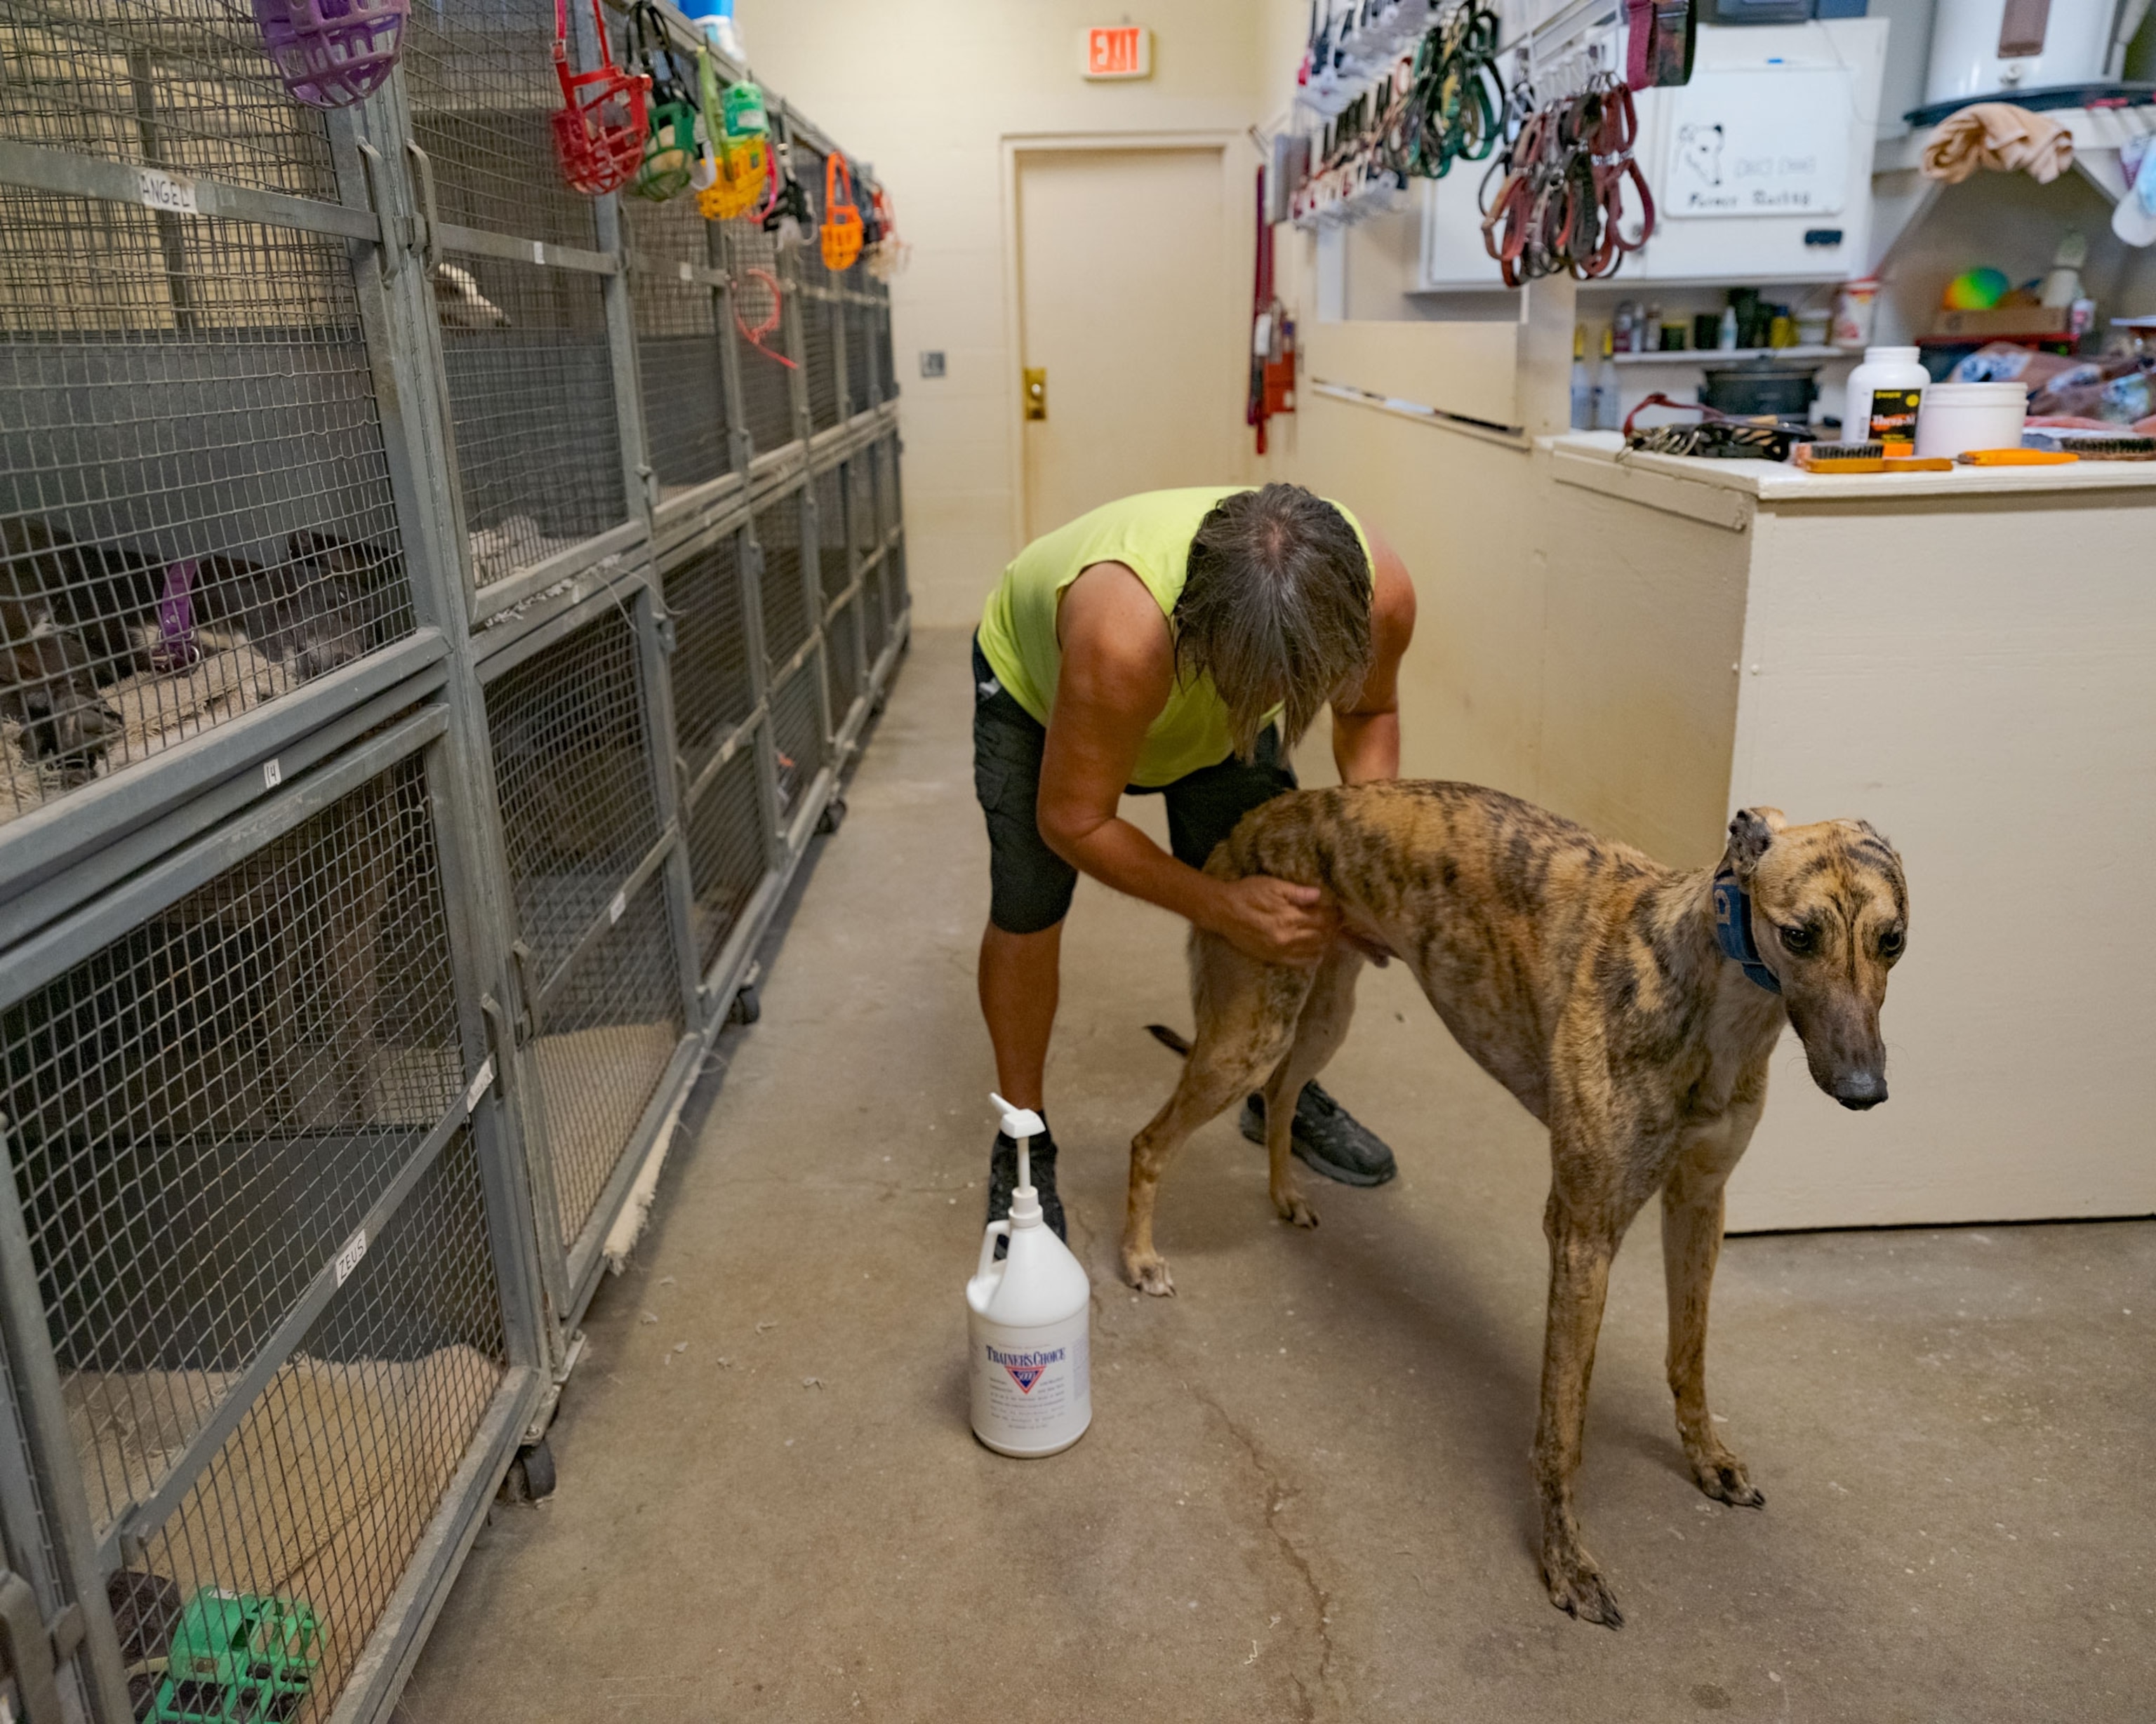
{"x": 1366, "y": 731}
{"x": 1118, "y": 670}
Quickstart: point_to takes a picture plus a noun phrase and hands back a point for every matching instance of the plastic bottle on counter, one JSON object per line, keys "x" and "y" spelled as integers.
{"x": 1608, "y": 405}
{"x": 1725, "y": 334}
{"x": 2062, "y": 284}
{"x": 1885, "y": 393}
{"x": 1583, "y": 386}
{"x": 1854, "y": 308}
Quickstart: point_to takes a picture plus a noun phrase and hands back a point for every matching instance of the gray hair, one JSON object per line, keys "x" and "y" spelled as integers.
{"x": 1275, "y": 607}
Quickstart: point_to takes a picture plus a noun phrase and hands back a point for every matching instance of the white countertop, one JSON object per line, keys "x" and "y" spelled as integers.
{"x": 1776, "y": 482}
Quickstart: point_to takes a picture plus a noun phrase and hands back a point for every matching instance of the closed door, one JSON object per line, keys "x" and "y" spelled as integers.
{"x": 1128, "y": 310}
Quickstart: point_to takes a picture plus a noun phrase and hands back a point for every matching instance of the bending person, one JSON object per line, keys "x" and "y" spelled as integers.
{"x": 1176, "y": 643}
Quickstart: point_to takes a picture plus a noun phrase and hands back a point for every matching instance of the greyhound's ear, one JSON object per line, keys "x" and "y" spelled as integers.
{"x": 1750, "y": 833}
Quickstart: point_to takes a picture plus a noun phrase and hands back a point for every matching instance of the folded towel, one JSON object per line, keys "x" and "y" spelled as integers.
{"x": 2001, "y": 137}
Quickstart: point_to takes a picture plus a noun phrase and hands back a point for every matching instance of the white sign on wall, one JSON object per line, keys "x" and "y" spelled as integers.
{"x": 1770, "y": 140}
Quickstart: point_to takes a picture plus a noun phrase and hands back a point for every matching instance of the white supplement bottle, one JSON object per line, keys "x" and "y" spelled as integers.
{"x": 1884, "y": 394}
{"x": 1029, "y": 1318}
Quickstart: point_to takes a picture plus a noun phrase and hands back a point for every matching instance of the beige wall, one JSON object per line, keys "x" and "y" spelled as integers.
{"x": 1539, "y": 604}
{"x": 927, "y": 93}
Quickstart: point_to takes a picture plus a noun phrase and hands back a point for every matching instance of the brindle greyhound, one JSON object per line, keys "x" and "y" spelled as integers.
{"x": 1631, "y": 1008}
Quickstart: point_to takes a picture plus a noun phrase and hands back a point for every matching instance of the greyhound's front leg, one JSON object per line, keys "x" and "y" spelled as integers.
{"x": 1582, "y": 1243}
{"x": 1692, "y": 1241}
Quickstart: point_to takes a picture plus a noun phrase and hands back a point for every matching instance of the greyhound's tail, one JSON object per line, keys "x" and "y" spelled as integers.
{"x": 1173, "y": 1039}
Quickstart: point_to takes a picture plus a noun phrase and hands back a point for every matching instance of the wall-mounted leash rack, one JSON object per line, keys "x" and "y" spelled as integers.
{"x": 430, "y": 636}
{"x": 1387, "y": 93}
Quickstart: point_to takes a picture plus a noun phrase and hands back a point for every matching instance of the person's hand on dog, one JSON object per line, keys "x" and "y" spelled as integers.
{"x": 1276, "y": 922}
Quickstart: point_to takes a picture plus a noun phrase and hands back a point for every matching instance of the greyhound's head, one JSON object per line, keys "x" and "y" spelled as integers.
{"x": 1829, "y": 916}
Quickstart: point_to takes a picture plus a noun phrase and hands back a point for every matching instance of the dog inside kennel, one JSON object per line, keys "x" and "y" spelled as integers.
{"x": 835, "y": 838}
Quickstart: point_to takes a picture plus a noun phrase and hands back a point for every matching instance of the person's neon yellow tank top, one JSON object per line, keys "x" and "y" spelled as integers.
{"x": 1150, "y": 534}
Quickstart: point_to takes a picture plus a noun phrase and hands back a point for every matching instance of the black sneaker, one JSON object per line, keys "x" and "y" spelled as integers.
{"x": 1327, "y": 1138}
{"x": 1003, "y": 1181}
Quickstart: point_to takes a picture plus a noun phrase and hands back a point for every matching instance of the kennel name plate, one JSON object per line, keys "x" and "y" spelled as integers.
{"x": 163, "y": 191}
{"x": 482, "y": 1081}
{"x": 348, "y": 1260}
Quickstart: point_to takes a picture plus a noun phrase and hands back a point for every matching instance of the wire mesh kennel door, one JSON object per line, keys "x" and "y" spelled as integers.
{"x": 722, "y": 740}
{"x": 533, "y": 332}
{"x": 676, "y": 293}
{"x": 603, "y": 1025}
{"x": 246, "y": 1207}
{"x": 196, "y": 517}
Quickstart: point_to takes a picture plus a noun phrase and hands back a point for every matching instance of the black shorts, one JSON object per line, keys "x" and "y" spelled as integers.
{"x": 1031, "y": 885}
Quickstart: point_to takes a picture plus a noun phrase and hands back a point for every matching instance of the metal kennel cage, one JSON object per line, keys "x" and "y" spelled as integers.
{"x": 437, "y": 611}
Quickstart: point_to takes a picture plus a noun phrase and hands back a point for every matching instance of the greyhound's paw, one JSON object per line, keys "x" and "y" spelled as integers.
{"x": 1148, "y": 1274}
{"x": 1722, "y": 1477}
{"x": 1293, "y": 1207}
{"x": 1577, "y": 1587}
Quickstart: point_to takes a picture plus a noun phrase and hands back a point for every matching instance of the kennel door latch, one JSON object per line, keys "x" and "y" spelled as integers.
{"x": 373, "y": 167}
{"x": 1036, "y": 391}
{"x": 499, "y": 1046}
{"x": 27, "y": 1651}
{"x": 430, "y": 218}
{"x": 527, "y": 1024}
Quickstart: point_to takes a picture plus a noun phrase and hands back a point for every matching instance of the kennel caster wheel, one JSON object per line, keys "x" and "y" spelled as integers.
{"x": 531, "y": 1475}
{"x": 746, "y": 1008}
{"x": 833, "y": 817}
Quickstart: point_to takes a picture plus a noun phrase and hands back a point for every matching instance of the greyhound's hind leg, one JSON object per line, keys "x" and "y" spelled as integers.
{"x": 1319, "y": 1031}
{"x": 1246, "y": 1013}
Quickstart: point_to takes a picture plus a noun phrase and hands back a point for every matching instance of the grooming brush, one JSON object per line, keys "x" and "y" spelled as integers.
{"x": 1920, "y": 464}
{"x": 2092, "y": 445}
{"x": 2015, "y": 458}
{"x": 1841, "y": 457}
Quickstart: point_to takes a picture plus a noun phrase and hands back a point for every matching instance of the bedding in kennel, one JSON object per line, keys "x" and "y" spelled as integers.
{"x": 436, "y": 609}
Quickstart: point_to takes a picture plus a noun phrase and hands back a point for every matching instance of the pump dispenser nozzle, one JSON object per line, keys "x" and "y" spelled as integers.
{"x": 1021, "y": 1125}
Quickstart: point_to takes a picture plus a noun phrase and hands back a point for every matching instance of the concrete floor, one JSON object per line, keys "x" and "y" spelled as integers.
{"x": 1305, "y": 1494}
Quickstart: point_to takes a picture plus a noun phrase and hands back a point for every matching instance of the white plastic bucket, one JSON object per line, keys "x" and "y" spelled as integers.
{"x": 1956, "y": 416}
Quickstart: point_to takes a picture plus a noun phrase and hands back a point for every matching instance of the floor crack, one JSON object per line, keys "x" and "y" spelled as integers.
{"x": 1320, "y": 1601}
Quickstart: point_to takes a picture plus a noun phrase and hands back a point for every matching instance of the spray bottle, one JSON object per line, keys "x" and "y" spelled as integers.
{"x": 1030, "y": 1321}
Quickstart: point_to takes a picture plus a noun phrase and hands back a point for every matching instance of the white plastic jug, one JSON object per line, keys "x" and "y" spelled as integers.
{"x": 1030, "y": 1322}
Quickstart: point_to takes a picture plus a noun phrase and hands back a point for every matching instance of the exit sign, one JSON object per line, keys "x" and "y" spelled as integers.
{"x": 1119, "y": 51}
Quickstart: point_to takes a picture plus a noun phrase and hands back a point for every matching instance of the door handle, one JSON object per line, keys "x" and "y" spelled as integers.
{"x": 26, "y": 1651}
{"x": 1036, "y": 392}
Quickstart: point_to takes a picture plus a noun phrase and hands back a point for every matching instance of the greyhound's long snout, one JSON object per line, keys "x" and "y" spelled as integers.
{"x": 1846, "y": 1057}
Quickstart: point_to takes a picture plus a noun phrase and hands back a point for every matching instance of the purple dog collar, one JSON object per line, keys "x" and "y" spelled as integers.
{"x": 175, "y": 649}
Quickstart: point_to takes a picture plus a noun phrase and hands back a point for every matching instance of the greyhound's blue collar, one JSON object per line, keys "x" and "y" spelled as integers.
{"x": 1732, "y": 929}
